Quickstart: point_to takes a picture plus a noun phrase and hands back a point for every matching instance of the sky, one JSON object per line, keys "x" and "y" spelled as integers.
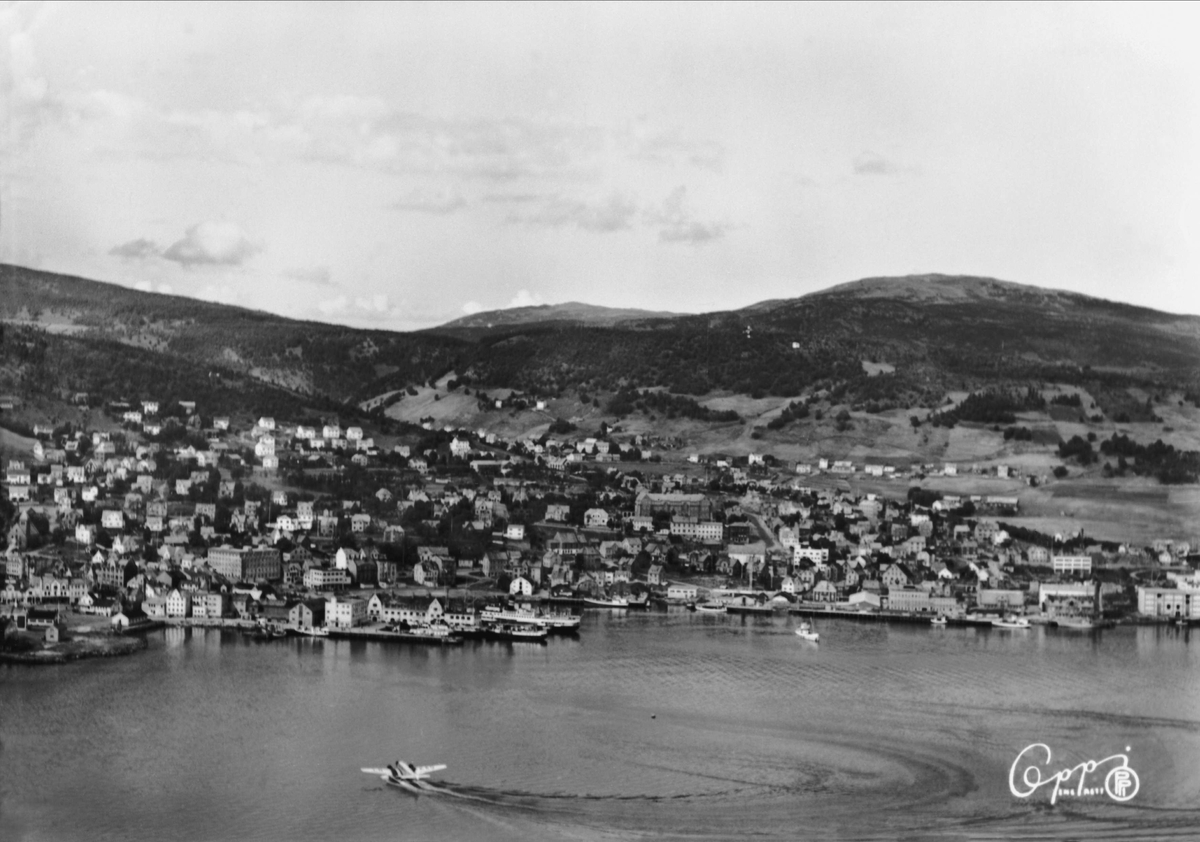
{"x": 401, "y": 165}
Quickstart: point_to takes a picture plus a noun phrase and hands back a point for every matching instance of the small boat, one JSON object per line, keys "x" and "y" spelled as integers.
{"x": 806, "y": 631}
{"x": 607, "y": 602}
{"x": 938, "y": 621}
{"x": 1077, "y": 623}
{"x": 312, "y": 631}
{"x": 711, "y": 608}
{"x": 1010, "y": 623}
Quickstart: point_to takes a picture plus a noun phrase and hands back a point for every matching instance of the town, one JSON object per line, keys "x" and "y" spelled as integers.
{"x": 158, "y": 514}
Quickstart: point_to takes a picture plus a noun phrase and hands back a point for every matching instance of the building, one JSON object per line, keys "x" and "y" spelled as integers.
{"x": 345, "y": 613}
{"x": 325, "y": 578}
{"x": 708, "y": 531}
{"x": 308, "y": 614}
{"x": 1175, "y": 603}
{"x": 696, "y": 506}
{"x": 247, "y": 565}
{"x": 1072, "y": 564}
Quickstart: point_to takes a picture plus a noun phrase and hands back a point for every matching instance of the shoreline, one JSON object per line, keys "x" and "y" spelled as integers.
{"x": 76, "y": 649}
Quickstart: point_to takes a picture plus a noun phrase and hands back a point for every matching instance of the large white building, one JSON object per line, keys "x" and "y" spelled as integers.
{"x": 323, "y": 578}
{"x": 1071, "y": 564}
{"x": 708, "y": 531}
{"x": 1182, "y": 603}
{"x": 345, "y": 613}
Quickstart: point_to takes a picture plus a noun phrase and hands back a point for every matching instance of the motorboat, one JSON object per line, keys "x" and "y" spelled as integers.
{"x": 1076, "y": 623}
{"x": 406, "y": 775}
{"x": 606, "y": 602}
{"x": 938, "y": 621}
{"x": 805, "y": 631}
{"x": 311, "y": 631}
{"x": 1010, "y": 622}
{"x": 711, "y": 608}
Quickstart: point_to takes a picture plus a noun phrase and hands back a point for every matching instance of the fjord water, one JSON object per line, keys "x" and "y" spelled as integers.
{"x": 658, "y": 725}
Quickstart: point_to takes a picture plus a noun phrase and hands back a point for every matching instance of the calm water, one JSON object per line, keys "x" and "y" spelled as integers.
{"x": 672, "y": 726}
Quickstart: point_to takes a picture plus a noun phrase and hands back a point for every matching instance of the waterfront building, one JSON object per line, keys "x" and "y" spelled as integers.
{"x": 1176, "y": 603}
{"x": 345, "y": 613}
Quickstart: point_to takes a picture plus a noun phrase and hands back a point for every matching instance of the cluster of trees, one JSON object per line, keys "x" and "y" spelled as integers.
{"x": 993, "y": 406}
{"x": 794, "y": 411}
{"x": 627, "y": 401}
{"x": 1159, "y": 460}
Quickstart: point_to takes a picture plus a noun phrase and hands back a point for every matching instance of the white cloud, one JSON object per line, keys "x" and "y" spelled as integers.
{"x": 315, "y": 275}
{"x": 525, "y": 298}
{"x": 425, "y": 201}
{"x": 373, "y": 304}
{"x": 212, "y": 243}
{"x": 334, "y": 305}
{"x": 677, "y": 224}
{"x": 612, "y": 213}
{"x": 472, "y": 307}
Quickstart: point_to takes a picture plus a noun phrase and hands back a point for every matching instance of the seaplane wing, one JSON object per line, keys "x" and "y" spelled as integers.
{"x": 422, "y": 771}
{"x": 377, "y": 771}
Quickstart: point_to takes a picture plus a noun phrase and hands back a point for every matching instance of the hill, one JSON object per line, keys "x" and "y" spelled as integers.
{"x": 879, "y": 343}
{"x": 572, "y": 313}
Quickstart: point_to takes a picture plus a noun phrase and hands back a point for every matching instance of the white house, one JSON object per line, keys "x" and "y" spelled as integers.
{"x": 521, "y": 586}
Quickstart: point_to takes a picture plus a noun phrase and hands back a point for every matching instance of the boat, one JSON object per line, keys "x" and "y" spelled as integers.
{"x": 1076, "y": 623}
{"x": 711, "y": 608}
{"x": 312, "y": 631}
{"x": 515, "y": 632}
{"x": 806, "y": 631}
{"x": 606, "y": 602}
{"x": 938, "y": 621}
{"x": 1010, "y": 622}
{"x": 406, "y": 775}
{"x": 555, "y": 622}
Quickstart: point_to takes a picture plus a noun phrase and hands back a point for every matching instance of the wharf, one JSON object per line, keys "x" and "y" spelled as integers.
{"x": 885, "y": 616}
{"x": 394, "y": 637}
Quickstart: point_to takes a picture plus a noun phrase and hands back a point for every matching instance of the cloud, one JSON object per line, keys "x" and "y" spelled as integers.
{"x": 316, "y": 275}
{"x": 150, "y": 286}
{"x": 614, "y": 213}
{"x": 472, "y": 307}
{"x": 422, "y": 201}
{"x": 671, "y": 147}
{"x": 334, "y": 305}
{"x": 139, "y": 249}
{"x": 212, "y": 243}
{"x": 870, "y": 163}
{"x": 524, "y": 298}
{"x": 676, "y": 224}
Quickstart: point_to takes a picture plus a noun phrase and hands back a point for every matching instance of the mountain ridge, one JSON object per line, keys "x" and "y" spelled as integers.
{"x": 935, "y": 332}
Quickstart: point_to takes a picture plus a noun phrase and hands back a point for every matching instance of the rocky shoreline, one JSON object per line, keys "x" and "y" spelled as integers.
{"x": 75, "y": 649}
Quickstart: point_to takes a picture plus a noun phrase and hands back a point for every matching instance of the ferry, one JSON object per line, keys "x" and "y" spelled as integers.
{"x": 515, "y": 632}
{"x": 806, "y": 631}
{"x": 556, "y": 623}
{"x": 1010, "y": 623}
{"x": 609, "y": 602}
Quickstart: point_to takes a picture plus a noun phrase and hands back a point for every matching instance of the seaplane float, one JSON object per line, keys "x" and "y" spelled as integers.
{"x": 406, "y": 775}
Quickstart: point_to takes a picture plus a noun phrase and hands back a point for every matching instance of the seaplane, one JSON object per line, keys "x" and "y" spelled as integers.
{"x": 406, "y": 775}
